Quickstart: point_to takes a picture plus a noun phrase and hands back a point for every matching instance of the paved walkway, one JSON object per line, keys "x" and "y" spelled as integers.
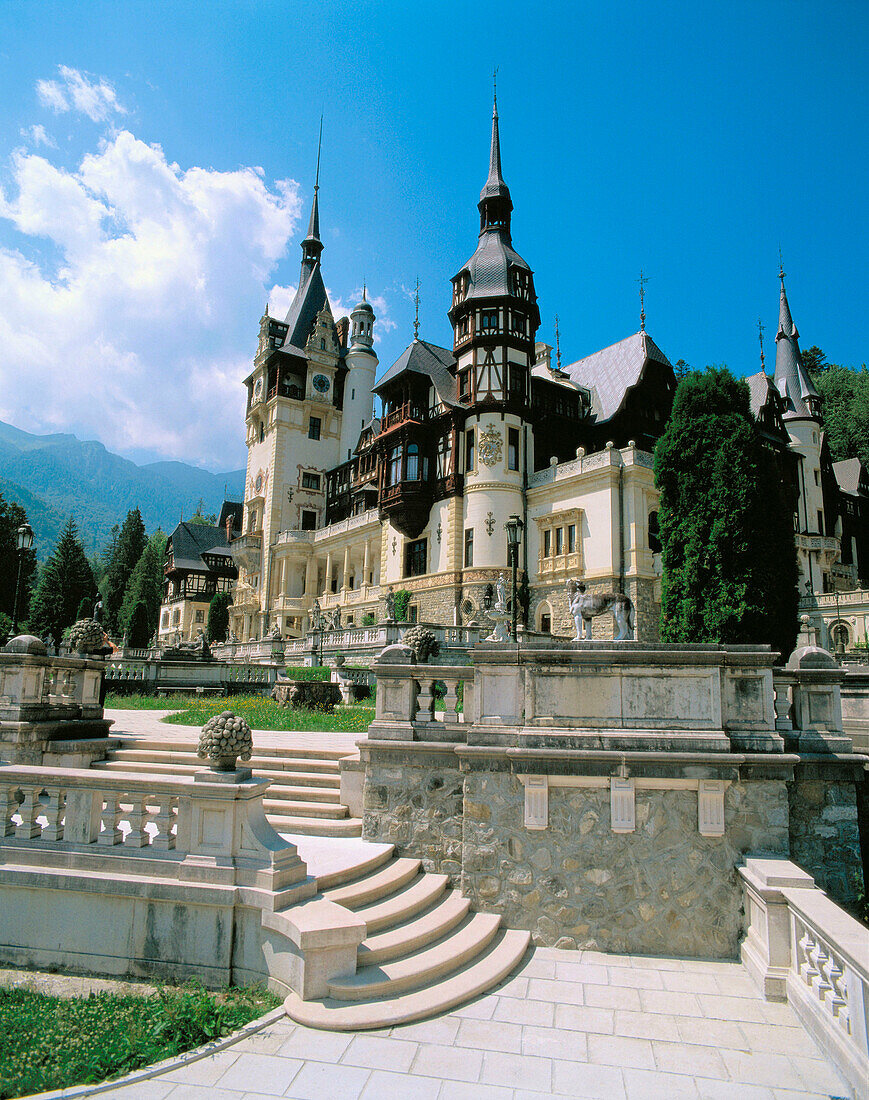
{"x": 568, "y": 1024}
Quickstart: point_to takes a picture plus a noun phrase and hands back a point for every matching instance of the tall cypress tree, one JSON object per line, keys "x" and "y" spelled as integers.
{"x": 12, "y": 515}
{"x": 726, "y": 521}
{"x": 146, "y": 585}
{"x": 65, "y": 580}
{"x": 128, "y": 550}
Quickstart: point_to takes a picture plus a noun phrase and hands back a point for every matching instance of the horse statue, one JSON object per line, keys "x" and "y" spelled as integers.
{"x": 585, "y": 606}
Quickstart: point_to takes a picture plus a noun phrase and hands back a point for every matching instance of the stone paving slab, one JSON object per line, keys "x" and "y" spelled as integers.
{"x": 711, "y": 1037}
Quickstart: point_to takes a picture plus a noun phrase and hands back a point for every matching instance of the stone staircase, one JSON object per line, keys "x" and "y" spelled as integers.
{"x": 305, "y": 792}
{"x": 424, "y": 953}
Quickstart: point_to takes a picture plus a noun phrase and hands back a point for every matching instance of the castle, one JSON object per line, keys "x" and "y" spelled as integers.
{"x": 341, "y": 505}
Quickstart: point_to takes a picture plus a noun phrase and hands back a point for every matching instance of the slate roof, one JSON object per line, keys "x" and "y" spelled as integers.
{"x": 848, "y": 474}
{"x": 791, "y": 379}
{"x": 309, "y": 300}
{"x": 429, "y": 360}
{"x": 191, "y": 540}
{"x": 760, "y": 386}
{"x": 495, "y": 187}
{"x": 489, "y": 267}
{"x": 231, "y": 508}
{"x": 611, "y": 372}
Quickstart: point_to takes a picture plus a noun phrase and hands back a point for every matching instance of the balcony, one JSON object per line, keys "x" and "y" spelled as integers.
{"x": 407, "y": 504}
{"x": 246, "y": 551}
{"x": 293, "y": 538}
{"x": 408, "y": 413}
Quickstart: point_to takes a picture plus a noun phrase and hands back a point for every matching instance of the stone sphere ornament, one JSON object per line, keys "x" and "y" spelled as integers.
{"x": 423, "y": 642}
{"x": 225, "y": 738}
{"x": 86, "y": 636}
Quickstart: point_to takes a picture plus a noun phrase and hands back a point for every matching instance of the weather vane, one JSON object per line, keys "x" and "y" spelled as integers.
{"x": 760, "y": 337}
{"x": 643, "y": 279}
{"x": 495, "y": 87}
{"x": 416, "y": 317}
{"x": 781, "y": 266}
{"x": 557, "y": 344}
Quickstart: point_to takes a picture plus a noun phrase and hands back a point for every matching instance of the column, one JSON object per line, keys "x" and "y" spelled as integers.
{"x": 346, "y": 577}
{"x": 366, "y": 562}
{"x": 311, "y": 576}
{"x": 328, "y": 572}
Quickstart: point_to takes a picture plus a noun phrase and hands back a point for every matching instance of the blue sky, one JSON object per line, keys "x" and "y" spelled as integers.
{"x": 157, "y": 159}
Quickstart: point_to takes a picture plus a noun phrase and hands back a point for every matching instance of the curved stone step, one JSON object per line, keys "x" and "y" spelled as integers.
{"x": 415, "y": 933}
{"x": 485, "y": 972}
{"x": 420, "y": 894}
{"x": 285, "y": 792}
{"x": 275, "y": 752}
{"x": 373, "y": 887}
{"x": 425, "y": 966}
{"x": 316, "y": 826}
{"x": 355, "y": 871}
{"x": 304, "y": 809}
{"x": 319, "y": 779}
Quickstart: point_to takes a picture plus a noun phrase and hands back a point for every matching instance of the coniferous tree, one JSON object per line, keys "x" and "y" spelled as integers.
{"x": 145, "y": 585}
{"x": 139, "y": 631}
{"x": 12, "y": 516}
{"x": 85, "y": 607}
{"x": 217, "y": 626}
{"x": 726, "y": 521}
{"x": 65, "y": 580}
{"x": 130, "y": 544}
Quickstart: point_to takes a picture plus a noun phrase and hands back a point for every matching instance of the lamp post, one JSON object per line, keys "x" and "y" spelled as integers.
{"x": 514, "y": 527}
{"x": 25, "y": 543}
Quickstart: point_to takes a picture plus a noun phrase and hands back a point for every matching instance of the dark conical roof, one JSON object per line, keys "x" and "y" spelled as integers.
{"x": 309, "y": 300}
{"x": 495, "y": 187}
{"x": 791, "y": 378}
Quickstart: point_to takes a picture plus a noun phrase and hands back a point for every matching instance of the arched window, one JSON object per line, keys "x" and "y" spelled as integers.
{"x": 394, "y": 471}
{"x": 840, "y": 636}
{"x": 654, "y": 534}
{"x": 412, "y": 462}
{"x": 544, "y": 618}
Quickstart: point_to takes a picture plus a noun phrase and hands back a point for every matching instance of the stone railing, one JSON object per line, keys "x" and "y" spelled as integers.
{"x": 406, "y": 700}
{"x": 202, "y": 819}
{"x": 831, "y": 600}
{"x": 155, "y": 677}
{"x": 263, "y": 650}
{"x": 803, "y": 948}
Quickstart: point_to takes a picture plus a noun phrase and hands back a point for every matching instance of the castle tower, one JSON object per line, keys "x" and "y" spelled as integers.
{"x": 814, "y": 553}
{"x": 495, "y": 320}
{"x": 361, "y": 364}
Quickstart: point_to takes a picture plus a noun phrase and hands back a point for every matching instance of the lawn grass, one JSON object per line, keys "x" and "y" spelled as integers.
{"x": 259, "y": 711}
{"x": 54, "y": 1042}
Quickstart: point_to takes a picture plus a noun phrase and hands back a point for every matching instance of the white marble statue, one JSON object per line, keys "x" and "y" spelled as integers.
{"x": 585, "y": 606}
{"x": 500, "y": 593}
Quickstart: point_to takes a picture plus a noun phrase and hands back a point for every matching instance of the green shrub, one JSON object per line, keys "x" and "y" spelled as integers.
{"x": 53, "y": 1042}
{"x": 402, "y": 599}
{"x": 368, "y": 619}
{"x": 306, "y": 672}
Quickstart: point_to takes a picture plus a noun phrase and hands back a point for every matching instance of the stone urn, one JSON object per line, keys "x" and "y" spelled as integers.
{"x": 86, "y": 636}
{"x": 225, "y": 738}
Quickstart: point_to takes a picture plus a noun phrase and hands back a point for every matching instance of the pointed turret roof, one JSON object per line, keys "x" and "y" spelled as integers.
{"x": 311, "y": 295}
{"x": 495, "y": 187}
{"x": 791, "y": 378}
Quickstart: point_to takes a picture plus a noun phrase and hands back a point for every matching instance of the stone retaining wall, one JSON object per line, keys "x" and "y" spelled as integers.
{"x": 825, "y": 836}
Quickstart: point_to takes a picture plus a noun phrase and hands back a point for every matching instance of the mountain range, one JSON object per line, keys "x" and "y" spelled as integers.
{"x": 55, "y": 476}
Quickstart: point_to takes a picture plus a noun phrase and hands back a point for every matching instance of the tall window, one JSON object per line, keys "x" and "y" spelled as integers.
{"x": 571, "y": 538}
{"x": 559, "y": 540}
{"x": 469, "y": 450}
{"x": 412, "y": 462}
{"x": 469, "y": 547}
{"x": 512, "y": 448}
{"x": 314, "y": 427}
{"x": 394, "y": 472}
{"x": 415, "y": 558}
{"x": 547, "y": 542}
{"x": 464, "y": 385}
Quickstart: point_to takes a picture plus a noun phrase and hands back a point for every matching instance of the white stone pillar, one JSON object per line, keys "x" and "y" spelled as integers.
{"x": 311, "y": 576}
{"x": 328, "y": 572}
{"x": 366, "y": 562}
{"x": 346, "y": 576}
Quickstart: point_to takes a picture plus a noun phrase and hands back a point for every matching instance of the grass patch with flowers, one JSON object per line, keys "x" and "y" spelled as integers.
{"x": 259, "y": 711}
{"x": 56, "y": 1042}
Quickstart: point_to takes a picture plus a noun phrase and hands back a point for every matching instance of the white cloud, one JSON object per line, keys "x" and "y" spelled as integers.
{"x": 39, "y": 136}
{"x": 141, "y": 331}
{"x": 75, "y": 91}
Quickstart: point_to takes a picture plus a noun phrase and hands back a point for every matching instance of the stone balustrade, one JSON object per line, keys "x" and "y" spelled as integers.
{"x": 802, "y": 948}
{"x": 154, "y": 677}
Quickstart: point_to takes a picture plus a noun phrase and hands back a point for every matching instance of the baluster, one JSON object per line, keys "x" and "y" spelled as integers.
{"x": 164, "y": 819}
{"x": 29, "y": 810}
{"x": 821, "y": 959}
{"x": 837, "y": 1001}
{"x": 111, "y": 832}
{"x": 138, "y": 816}
{"x": 806, "y": 969}
{"x": 425, "y": 700}
{"x": 54, "y": 807}
{"x": 8, "y": 806}
{"x": 451, "y": 700}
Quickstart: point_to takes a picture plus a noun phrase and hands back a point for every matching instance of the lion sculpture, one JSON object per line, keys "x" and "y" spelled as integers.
{"x": 584, "y": 606}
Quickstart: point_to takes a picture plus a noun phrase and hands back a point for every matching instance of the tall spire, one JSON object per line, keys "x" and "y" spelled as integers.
{"x": 791, "y": 378}
{"x": 643, "y": 279}
{"x": 312, "y": 246}
{"x": 416, "y": 315}
{"x": 495, "y": 203}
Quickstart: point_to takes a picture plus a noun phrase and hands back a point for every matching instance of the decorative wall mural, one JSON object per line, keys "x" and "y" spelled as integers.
{"x": 490, "y": 446}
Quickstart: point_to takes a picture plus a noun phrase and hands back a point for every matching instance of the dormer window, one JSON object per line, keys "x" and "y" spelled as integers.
{"x": 489, "y": 320}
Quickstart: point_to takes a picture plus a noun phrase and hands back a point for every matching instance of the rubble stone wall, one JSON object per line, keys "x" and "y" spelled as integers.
{"x": 825, "y": 836}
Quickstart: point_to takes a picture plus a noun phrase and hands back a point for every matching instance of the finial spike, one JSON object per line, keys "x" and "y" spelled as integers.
{"x": 416, "y": 317}
{"x": 319, "y": 148}
{"x": 495, "y": 91}
{"x": 364, "y": 289}
{"x": 643, "y": 279}
{"x": 760, "y": 337}
{"x": 557, "y": 343}
{"x": 781, "y": 266}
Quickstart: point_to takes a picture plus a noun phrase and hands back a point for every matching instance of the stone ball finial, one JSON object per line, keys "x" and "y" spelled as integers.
{"x": 86, "y": 636}
{"x": 26, "y": 643}
{"x": 423, "y": 642}
{"x": 811, "y": 656}
{"x": 225, "y": 738}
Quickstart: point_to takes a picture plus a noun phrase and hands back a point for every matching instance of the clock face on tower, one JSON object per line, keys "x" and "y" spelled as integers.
{"x": 258, "y": 388}
{"x": 321, "y": 383}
